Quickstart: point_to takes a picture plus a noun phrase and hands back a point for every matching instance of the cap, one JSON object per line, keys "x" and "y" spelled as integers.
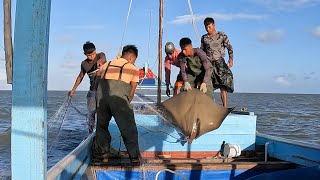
{"x": 169, "y": 47}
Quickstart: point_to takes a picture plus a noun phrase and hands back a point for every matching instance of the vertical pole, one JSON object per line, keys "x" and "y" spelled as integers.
{"x": 160, "y": 52}
{"x": 7, "y": 38}
{"x": 29, "y": 90}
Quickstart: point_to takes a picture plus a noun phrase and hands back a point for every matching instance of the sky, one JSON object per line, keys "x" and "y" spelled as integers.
{"x": 275, "y": 42}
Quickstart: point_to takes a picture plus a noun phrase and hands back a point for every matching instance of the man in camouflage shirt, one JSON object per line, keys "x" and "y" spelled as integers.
{"x": 213, "y": 44}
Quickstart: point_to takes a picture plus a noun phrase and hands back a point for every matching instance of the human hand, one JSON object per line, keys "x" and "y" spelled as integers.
{"x": 70, "y": 93}
{"x": 187, "y": 86}
{"x": 168, "y": 91}
{"x": 230, "y": 63}
{"x": 203, "y": 87}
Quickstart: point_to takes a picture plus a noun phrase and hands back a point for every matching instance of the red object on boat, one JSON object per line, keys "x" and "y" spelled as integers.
{"x": 149, "y": 75}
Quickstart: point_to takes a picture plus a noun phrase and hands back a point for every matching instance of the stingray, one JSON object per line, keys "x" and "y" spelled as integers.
{"x": 193, "y": 113}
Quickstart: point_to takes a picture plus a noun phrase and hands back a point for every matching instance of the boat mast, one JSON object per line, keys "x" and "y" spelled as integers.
{"x": 160, "y": 52}
{"x": 8, "y": 39}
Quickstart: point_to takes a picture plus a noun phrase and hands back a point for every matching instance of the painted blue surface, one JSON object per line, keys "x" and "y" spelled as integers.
{"x": 290, "y": 150}
{"x": 155, "y": 135}
{"x": 237, "y": 174}
{"x": 29, "y": 90}
{"x": 74, "y": 164}
{"x": 310, "y": 173}
{"x": 147, "y": 82}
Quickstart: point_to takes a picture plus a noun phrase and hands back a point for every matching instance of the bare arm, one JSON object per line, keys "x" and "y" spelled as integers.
{"x": 167, "y": 70}
{"x": 76, "y": 84}
{"x": 133, "y": 90}
{"x": 102, "y": 60}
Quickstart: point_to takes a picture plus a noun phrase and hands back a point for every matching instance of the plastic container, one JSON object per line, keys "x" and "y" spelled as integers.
{"x": 231, "y": 150}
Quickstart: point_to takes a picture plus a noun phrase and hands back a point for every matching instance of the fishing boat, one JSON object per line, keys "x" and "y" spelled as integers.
{"x": 234, "y": 151}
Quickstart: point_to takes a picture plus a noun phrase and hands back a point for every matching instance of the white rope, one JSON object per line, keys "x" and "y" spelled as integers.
{"x": 173, "y": 172}
{"x": 194, "y": 22}
{"x": 125, "y": 29}
{"x": 149, "y": 32}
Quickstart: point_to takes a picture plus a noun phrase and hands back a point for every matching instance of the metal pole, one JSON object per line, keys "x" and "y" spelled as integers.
{"x": 29, "y": 90}
{"x": 160, "y": 52}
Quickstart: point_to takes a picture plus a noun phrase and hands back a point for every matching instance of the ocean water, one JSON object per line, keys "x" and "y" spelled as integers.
{"x": 292, "y": 116}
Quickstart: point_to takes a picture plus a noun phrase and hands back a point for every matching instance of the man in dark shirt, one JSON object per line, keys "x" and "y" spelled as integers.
{"x": 214, "y": 44}
{"x": 89, "y": 66}
{"x": 195, "y": 68}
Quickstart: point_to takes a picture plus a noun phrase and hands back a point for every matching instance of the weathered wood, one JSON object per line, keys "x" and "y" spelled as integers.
{"x": 190, "y": 165}
{"x": 160, "y": 52}
{"x": 8, "y": 38}
{"x": 29, "y": 90}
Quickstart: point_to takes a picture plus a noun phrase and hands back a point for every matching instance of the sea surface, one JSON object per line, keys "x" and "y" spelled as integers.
{"x": 292, "y": 116}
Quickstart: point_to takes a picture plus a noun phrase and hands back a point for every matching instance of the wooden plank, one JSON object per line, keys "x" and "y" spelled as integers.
{"x": 29, "y": 90}
{"x": 193, "y": 166}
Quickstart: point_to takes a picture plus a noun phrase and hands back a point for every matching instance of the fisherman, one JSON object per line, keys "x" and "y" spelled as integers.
{"x": 89, "y": 66}
{"x": 116, "y": 88}
{"x": 214, "y": 44}
{"x": 172, "y": 59}
{"x": 195, "y": 68}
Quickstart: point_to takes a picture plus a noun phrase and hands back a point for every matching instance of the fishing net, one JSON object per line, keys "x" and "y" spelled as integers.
{"x": 67, "y": 128}
{"x": 194, "y": 113}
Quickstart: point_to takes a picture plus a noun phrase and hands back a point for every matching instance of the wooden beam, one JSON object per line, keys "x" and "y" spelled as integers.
{"x": 160, "y": 52}
{"x": 8, "y": 38}
{"x": 29, "y": 90}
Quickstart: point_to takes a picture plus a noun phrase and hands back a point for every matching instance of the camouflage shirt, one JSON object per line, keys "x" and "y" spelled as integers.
{"x": 215, "y": 46}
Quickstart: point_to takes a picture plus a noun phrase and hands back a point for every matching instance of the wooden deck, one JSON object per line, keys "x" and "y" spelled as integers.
{"x": 193, "y": 164}
{"x": 245, "y": 165}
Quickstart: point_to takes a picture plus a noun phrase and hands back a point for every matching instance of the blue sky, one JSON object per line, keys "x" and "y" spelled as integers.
{"x": 275, "y": 41}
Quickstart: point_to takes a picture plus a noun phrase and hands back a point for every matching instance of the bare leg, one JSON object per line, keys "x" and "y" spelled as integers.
{"x": 223, "y": 94}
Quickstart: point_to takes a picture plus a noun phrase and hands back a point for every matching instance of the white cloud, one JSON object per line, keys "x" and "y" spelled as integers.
{"x": 284, "y": 80}
{"x": 309, "y": 76}
{"x": 187, "y": 19}
{"x": 66, "y": 39}
{"x": 270, "y": 36}
{"x": 69, "y": 65}
{"x": 316, "y": 32}
{"x": 85, "y": 27}
{"x": 286, "y": 5}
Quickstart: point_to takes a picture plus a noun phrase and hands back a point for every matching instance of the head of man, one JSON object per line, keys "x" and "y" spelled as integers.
{"x": 169, "y": 49}
{"x": 186, "y": 47}
{"x": 209, "y": 25}
{"x": 130, "y": 53}
{"x": 89, "y": 50}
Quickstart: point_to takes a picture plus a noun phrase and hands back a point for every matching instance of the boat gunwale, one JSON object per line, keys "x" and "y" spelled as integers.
{"x": 60, "y": 166}
{"x": 288, "y": 141}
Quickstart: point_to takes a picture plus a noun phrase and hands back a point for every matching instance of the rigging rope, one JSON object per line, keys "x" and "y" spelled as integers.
{"x": 125, "y": 30}
{"x": 194, "y": 22}
{"x": 149, "y": 32}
